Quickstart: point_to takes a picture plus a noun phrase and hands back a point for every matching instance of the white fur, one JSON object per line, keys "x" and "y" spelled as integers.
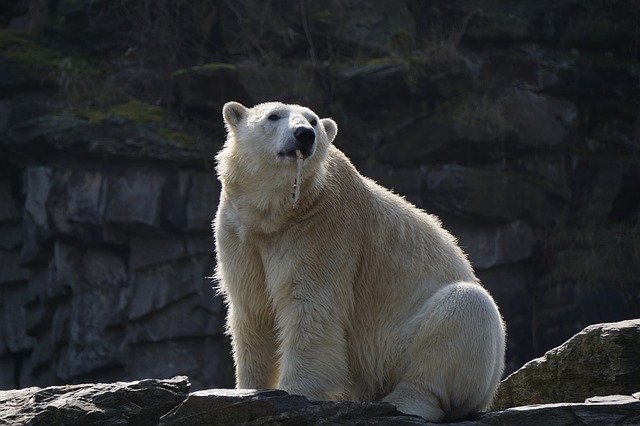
{"x": 356, "y": 294}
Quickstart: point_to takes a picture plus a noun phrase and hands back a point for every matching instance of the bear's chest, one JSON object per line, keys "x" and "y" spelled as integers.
{"x": 286, "y": 261}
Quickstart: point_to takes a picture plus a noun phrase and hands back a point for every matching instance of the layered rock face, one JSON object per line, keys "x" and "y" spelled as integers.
{"x": 516, "y": 123}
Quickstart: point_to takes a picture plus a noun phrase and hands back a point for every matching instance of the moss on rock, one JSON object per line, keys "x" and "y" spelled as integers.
{"x": 133, "y": 110}
{"x": 24, "y": 49}
{"x": 142, "y": 112}
{"x": 178, "y": 137}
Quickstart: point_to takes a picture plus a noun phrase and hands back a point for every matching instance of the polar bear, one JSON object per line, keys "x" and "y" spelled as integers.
{"x": 355, "y": 293}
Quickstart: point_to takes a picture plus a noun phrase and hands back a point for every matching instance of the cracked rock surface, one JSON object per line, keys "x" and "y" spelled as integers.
{"x": 590, "y": 379}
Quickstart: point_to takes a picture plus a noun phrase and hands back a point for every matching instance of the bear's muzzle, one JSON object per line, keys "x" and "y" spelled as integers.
{"x": 305, "y": 139}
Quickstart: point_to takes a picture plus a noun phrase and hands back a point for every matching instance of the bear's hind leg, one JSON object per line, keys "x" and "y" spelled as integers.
{"x": 412, "y": 400}
{"x": 455, "y": 359}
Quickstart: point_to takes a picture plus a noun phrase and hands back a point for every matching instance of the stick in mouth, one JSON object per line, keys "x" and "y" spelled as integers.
{"x": 298, "y": 182}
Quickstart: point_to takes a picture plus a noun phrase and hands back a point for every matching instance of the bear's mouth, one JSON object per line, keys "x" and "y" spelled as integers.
{"x": 292, "y": 153}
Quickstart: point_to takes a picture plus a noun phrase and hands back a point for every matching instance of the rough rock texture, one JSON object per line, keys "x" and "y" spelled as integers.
{"x": 602, "y": 359}
{"x": 167, "y": 402}
{"x": 226, "y": 407}
{"x": 139, "y": 403}
{"x": 515, "y": 122}
{"x": 219, "y": 407}
{"x": 610, "y": 410}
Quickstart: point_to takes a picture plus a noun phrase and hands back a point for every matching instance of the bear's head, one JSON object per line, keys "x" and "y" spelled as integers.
{"x": 274, "y": 131}
{"x": 274, "y": 152}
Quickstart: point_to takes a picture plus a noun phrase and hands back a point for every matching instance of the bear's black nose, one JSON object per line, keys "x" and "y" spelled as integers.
{"x": 305, "y": 138}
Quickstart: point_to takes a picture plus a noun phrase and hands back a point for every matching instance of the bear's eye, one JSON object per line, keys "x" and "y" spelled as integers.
{"x": 314, "y": 122}
{"x": 274, "y": 117}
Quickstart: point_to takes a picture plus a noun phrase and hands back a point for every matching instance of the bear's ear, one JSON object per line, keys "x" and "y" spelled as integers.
{"x": 330, "y": 127}
{"x": 233, "y": 113}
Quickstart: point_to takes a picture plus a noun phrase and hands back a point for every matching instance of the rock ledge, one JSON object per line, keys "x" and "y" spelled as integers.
{"x": 167, "y": 402}
{"x": 572, "y": 380}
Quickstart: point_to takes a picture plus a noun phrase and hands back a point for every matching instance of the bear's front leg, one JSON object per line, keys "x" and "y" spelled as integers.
{"x": 313, "y": 343}
{"x": 250, "y": 322}
{"x": 250, "y": 319}
{"x": 254, "y": 350}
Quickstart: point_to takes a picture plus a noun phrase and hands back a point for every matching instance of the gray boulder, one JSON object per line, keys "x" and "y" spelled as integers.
{"x": 611, "y": 410}
{"x": 603, "y": 359}
{"x": 139, "y": 403}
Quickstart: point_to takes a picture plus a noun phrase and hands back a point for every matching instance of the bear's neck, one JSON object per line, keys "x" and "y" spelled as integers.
{"x": 261, "y": 197}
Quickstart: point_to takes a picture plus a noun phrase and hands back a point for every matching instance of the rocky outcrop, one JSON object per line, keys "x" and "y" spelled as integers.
{"x": 602, "y": 359}
{"x": 218, "y": 407}
{"x": 564, "y": 386}
{"x": 165, "y": 402}
{"x": 140, "y": 403}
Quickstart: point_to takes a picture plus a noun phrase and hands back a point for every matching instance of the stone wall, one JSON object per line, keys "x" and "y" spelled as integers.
{"x": 106, "y": 275}
{"x": 517, "y": 124}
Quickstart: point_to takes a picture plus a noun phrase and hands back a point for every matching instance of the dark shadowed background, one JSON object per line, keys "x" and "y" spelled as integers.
{"x": 517, "y": 123}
